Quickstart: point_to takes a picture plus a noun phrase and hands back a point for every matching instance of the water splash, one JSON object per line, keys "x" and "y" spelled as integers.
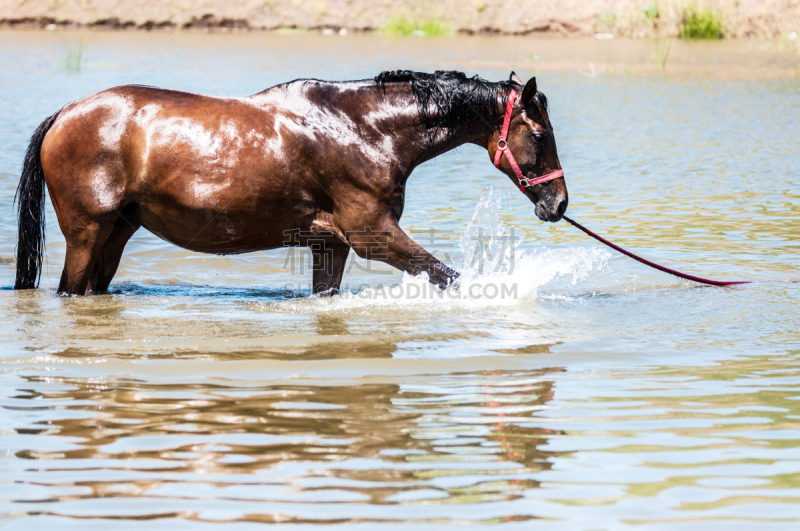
{"x": 495, "y": 272}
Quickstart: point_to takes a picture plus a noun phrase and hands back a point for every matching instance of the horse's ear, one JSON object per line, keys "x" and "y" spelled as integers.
{"x": 529, "y": 92}
{"x": 514, "y": 78}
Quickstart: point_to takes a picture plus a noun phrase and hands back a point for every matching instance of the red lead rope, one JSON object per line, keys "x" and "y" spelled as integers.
{"x": 524, "y": 182}
{"x": 654, "y": 265}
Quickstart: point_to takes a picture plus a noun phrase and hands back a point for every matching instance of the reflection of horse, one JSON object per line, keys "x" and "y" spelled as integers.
{"x": 414, "y": 435}
{"x": 308, "y": 163}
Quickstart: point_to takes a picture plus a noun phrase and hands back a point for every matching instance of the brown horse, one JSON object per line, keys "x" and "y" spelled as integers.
{"x": 309, "y": 163}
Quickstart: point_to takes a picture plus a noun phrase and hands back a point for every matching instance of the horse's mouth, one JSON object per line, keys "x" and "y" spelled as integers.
{"x": 551, "y": 214}
{"x": 544, "y": 214}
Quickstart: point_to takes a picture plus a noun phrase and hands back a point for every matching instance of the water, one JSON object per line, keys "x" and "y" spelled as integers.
{"x": 212, "y": 392}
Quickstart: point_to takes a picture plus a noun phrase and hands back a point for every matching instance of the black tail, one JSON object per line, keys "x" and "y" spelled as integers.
{"x": 30, "y": 211}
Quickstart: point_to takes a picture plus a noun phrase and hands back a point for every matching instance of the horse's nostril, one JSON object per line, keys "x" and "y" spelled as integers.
{"x": 562, "y": 207}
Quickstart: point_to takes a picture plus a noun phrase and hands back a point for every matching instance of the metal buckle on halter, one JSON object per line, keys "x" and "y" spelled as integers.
{"x": 525, "y": 182}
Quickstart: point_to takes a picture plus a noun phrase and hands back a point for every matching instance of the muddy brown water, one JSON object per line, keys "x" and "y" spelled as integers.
{"x": 569, "y": 389}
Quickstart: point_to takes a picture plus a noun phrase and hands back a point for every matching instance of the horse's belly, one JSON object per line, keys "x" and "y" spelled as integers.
{"x": 223, "y": 230}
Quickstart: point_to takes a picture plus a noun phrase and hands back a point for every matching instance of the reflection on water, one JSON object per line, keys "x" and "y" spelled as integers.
{"x": 381, "y": 445}
{"x": 415, "y": 443}
{"x": 211, "y": 392}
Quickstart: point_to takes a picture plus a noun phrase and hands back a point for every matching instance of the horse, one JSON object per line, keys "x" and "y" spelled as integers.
{"x": 306, "y": 163}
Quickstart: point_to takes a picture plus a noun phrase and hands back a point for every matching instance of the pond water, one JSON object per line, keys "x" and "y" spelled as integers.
{"x": 572, "y": 389}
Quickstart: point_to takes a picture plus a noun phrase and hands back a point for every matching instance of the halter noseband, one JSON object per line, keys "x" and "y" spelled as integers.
{"x": 502, "y": 148}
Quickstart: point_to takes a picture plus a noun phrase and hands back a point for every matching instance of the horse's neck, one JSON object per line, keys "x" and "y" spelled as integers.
{"x": 420, "y": 144}
{"x": 443, "y": 140}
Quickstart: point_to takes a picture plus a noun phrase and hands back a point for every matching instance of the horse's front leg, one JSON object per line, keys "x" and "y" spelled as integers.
{"x": 388, "y": 243}
{"x": 328, "y": 268}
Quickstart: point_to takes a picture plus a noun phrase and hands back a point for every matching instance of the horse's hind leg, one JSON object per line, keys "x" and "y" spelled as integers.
{"x": 107, "y": 262}
{"x": 84, "y": 242}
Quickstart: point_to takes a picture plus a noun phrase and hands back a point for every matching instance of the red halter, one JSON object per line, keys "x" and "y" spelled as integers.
{"x": 502, "y": 147}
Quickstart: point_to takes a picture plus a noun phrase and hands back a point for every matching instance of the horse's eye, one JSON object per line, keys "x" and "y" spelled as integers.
{"x": 538, "y": 137}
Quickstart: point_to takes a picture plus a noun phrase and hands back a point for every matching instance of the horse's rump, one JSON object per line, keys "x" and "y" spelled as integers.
{"x": 202, "y": 170}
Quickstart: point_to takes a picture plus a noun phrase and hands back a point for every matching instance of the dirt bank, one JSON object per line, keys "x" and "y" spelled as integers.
{"x": 736, "y": 18}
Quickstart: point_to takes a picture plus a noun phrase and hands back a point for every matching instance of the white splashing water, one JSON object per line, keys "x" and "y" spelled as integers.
{"x": 495, "y": 272}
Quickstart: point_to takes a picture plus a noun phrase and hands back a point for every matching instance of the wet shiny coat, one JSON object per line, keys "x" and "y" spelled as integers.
{"x": 300, "y": 163}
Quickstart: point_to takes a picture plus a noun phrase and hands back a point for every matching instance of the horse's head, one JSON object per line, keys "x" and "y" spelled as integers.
{"x": 532, "y": 146}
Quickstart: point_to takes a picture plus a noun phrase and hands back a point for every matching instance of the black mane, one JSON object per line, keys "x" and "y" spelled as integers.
{"x": 447, "y": 98}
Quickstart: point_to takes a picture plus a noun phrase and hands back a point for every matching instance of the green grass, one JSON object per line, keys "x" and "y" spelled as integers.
{"x": 74, "y": 58}
{"x": 605, "y": 22}
{"x": 399, "y": 27}
{"x": 436, "y": 28}
{"x": 650, "y": 12}
{"x": 661, "y": 53}
{"x": 700, "y": 24}
{"x": 404, "y": 27}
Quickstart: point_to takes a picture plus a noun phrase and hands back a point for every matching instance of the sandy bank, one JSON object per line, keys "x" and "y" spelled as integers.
{"x": 742, "y": 18}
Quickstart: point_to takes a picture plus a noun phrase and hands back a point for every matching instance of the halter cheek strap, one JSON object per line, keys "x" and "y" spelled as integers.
{"x": 502, "y": 148}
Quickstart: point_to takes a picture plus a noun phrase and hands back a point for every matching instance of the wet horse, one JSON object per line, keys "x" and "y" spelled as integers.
{"x": 308, "y": 163}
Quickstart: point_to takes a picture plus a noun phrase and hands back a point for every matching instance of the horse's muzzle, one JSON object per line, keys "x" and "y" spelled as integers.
{"x": 552, "y": 215}
{"x": 551, "y": 202}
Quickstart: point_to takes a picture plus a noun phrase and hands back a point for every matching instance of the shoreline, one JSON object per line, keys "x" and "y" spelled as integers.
{"x": 599, "y": 18}
{"x": 76, "y": 50}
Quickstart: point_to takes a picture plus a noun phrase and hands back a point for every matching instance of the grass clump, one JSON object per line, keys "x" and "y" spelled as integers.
{"x": 400, "y": 27}
{"x": 404, "y": 27}
{"x": 605, "y": 22}
{"x": 661, "y": 53}
{"x": 435, "y": 28}
{"x": 74, "y": 58}
{"x": 651, "y": 13}
{"x": 700, "y": 24}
